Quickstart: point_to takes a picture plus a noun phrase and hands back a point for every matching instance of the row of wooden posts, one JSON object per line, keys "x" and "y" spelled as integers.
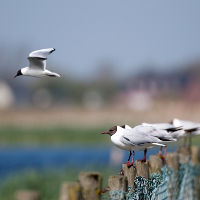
{"x": 89, "y": 184}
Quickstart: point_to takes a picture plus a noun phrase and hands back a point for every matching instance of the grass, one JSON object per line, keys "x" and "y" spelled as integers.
{"x": 47, "y": 183}
{"x": 55, "y": 135}
{"x": 15, "y": 135}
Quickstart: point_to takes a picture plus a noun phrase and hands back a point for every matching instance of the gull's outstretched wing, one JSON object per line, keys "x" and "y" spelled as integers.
{"x": 37, "y": 59}
{"x": 42, "y": 53}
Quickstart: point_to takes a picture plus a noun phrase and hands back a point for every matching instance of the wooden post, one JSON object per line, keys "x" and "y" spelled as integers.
{"x": 155, "y": 164}
{"x": 142, "y": 168}
{"x": 129, "y": 173}
{"x": 27, "y": 195}
{"x": 184, "y": 154}
{"x": 70, "y": 191}
{"x": 195, "y": 150}
{"x": 90, "y": 183}
{"x": 195, "y": 155}
{"x": 118, "y": 183}
{"x": 172, "y": 161}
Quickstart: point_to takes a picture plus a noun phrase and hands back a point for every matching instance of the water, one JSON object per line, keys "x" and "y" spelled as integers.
{"x": 15, "y": 159}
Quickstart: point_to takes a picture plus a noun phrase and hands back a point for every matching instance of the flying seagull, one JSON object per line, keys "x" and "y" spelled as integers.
{"x": 37, "y": 64}
{"x": 138, "y": 138}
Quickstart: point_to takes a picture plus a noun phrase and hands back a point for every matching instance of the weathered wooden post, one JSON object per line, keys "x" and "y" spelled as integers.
{"x": 129, "y": 173}
{"x": 186, "y": 186}
{"x": 184, "y": 154}
{"x": 172, "y": 161}
{"x": 195, "y": 151}
{"x": 195, "y": 157}
{"x": 90, "y": 183}
{"x": 118, "y": 184}
{"x": 155, "y": 164}
{"x": 27, "y": 195}
{"x": 142, "y": 168}
{"x": 70, "y": 191}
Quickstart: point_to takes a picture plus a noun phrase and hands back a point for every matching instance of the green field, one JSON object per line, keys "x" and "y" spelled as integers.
{"x": 47, "y": 183}
{"x": 53, "y": 135}
{"x": 56, "y": 136}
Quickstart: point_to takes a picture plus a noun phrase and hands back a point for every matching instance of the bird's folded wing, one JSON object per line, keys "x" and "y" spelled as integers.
{"x": 136, "y": 139}
{"x": 185, "y": 124}
{"x": 42, "y": 53}
{"x": 38, "y": 63}
{"x": 162, "y": 135}
{"x": 141, "y": 135}
{"x": 164, "y": 126}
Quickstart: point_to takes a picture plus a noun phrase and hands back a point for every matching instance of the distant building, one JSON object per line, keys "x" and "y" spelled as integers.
{"x": 6, "y": 96}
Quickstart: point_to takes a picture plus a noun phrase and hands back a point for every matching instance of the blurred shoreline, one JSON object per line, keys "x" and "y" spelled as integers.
{"x": 112, "y": 115}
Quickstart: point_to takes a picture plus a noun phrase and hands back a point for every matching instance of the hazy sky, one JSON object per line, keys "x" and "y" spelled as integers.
{"x": 128, "y": 33}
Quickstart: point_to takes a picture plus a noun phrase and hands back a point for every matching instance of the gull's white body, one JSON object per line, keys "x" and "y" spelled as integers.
{"x": 27, "y": 71}
{"x": 37, "y": 64}
{"x": 137, "y": 138}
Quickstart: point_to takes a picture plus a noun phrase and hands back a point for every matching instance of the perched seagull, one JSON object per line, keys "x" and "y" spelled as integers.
{"x": 138, "y": 138}
{"x": 37, "y": 64}
{"x": 190, "y": 128}
{"x": 170, "y": 128}
{"x": 174, "y": 131}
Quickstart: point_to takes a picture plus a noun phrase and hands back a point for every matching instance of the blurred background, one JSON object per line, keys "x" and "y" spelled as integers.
{"x": 122, "y": 62}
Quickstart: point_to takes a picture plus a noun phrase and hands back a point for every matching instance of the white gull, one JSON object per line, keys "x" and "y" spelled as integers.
{"x": 37, "y": 64}
{"x": 138, "y": 138}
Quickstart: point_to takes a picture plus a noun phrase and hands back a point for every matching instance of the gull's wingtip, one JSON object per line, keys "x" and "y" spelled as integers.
{"x": 53, "y": 49}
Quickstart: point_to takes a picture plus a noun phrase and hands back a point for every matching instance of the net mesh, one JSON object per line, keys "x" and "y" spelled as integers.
{"x": 166, "y": 184}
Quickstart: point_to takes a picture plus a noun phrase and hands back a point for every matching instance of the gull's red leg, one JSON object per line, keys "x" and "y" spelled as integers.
{"x": 163, "y": 157}
{"x": 165, "y": 152}
{"x": 128, "y": 163}
{"x": 160, "y": 151}
{"x": 129, "y": 156}
{"x": 144, "y": 159}
{"x": 132, "y": 161}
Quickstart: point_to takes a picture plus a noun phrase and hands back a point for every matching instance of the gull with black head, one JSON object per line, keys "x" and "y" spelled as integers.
{"x": 37, "y": 65}
{"x": 138, "y": 138}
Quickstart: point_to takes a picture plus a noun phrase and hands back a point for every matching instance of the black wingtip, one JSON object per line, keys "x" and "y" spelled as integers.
{"x": 52, "y": 50}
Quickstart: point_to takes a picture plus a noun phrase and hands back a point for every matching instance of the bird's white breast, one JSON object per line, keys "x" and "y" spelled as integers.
{"x": 33, "y": 72}
{"x": 116, "y": 141}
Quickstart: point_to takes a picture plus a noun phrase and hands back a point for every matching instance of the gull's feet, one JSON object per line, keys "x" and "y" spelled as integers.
{"x": 105, "y": 190}
{"x": 142, "y": 160}
{"x": 163, "y": 157}
{"x": 129, "y": 164}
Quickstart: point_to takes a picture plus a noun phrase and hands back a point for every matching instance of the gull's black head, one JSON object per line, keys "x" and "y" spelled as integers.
{"x": 111, "y": 131}
{"x": 19, "y": 73}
